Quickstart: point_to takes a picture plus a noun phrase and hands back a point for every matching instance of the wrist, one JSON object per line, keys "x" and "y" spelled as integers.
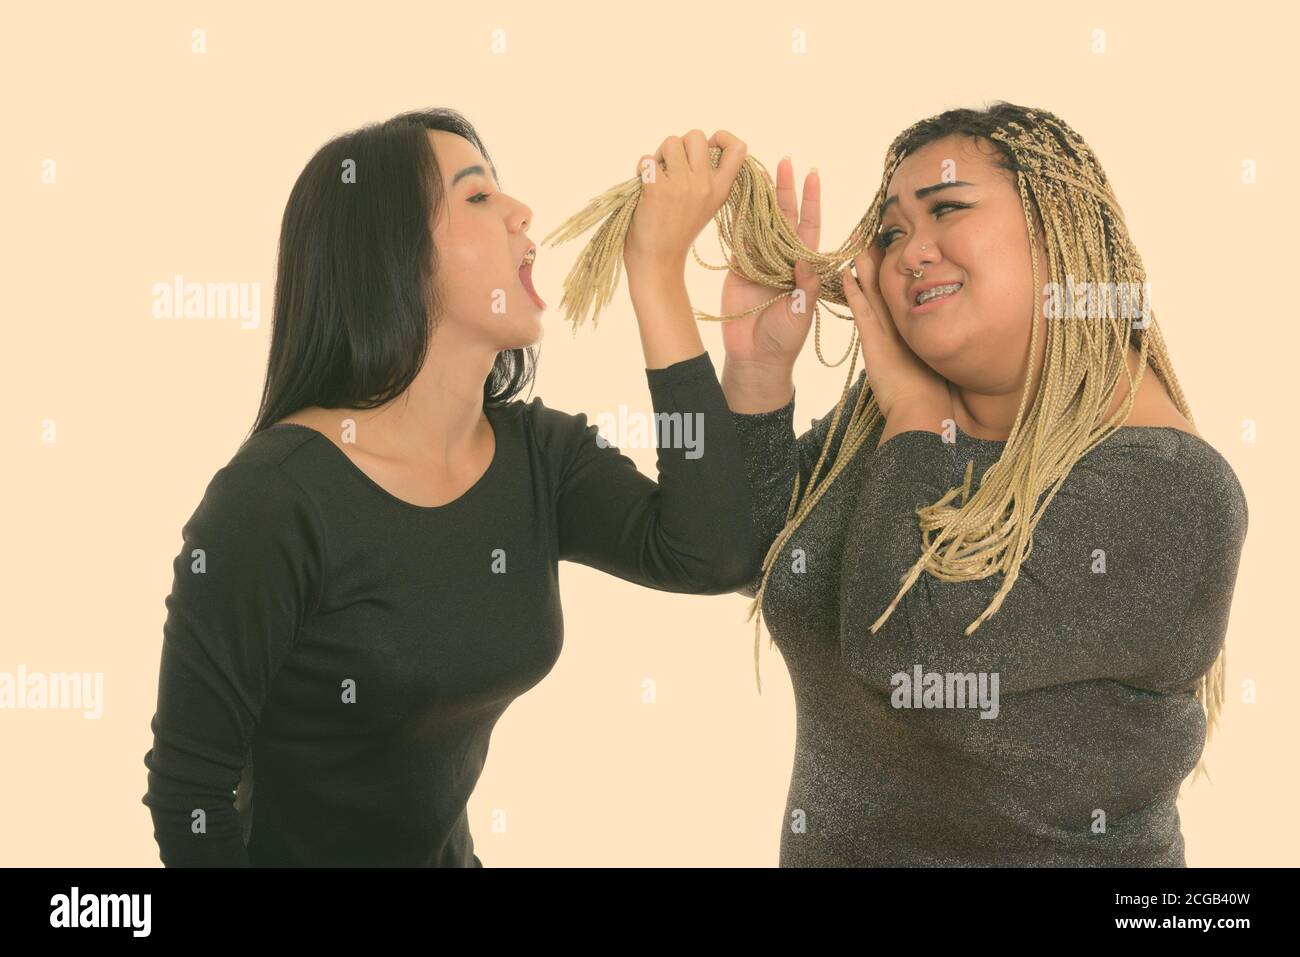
{"x": 654, "y": 267}
{"x": 924, "y": 414}
{"x": 752, "y": 387}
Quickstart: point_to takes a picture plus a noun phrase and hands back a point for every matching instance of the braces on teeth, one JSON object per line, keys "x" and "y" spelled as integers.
{"x": 935, "y": 292}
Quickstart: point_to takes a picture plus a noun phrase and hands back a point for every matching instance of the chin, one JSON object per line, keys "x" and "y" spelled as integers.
{"x": 938, "y": 346}
{"x": 521, "y": 333}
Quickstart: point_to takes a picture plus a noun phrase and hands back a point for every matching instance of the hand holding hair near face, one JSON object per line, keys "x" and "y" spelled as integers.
{"x": 681, "y": 192}
{"x": 762, "y": 347}
{"x": 910, "y": 395}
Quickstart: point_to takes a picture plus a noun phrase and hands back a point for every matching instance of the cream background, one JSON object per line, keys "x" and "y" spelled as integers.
{"x": 171, "y": 162}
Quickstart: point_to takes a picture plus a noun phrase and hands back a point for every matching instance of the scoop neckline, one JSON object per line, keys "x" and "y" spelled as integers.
{"x": 361, "y": 473}
{"x": 1132, "y": 429}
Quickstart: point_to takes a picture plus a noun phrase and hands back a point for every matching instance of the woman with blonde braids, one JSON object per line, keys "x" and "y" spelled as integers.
{"x": 1000, "y": 572}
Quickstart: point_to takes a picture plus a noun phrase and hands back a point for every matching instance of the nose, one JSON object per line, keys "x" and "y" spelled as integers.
{"x": 520, "y": 216}
{"x": 916, "y": 257}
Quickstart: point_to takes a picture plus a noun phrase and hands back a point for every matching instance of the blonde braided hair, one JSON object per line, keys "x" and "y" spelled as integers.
{"x": 1063, "y": 189}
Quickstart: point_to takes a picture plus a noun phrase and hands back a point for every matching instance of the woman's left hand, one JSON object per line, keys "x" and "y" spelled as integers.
{"x": 898, "y": 377}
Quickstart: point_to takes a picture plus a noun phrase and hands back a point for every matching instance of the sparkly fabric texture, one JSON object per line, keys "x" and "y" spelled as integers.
{"x": 1097, "y": 650}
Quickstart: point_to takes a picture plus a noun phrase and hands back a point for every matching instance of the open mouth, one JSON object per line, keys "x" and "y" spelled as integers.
{"x": 526, "y": 277}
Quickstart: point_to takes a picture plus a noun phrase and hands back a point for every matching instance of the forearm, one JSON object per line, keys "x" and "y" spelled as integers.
{"x": 704, "y": 502}
{"x": 669, "y": 332}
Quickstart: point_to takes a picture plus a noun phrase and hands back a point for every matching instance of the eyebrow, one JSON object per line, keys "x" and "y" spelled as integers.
{"x": 471, "y": 171}
{"x": 925, "y": 191}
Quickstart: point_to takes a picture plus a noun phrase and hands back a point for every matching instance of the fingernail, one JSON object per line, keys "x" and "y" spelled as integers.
{"x": 813, "y": 170}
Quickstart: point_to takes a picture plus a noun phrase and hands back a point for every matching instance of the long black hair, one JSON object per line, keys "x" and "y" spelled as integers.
{"x": 355, "y": 297}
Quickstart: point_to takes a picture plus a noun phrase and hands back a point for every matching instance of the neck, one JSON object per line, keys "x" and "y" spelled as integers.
{"x": 439, "y": 417}
{"x": 984, "y": 415}
{"x": 979, "y": 415}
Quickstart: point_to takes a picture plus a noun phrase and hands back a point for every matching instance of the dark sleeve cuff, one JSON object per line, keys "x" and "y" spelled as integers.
{"x": 685, "y": 370}
{"x": 769, "y": 440}
{"x": 915, "y": 457}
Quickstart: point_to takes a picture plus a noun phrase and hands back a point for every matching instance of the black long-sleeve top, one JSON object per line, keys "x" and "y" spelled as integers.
{"x": 355, "y": 650}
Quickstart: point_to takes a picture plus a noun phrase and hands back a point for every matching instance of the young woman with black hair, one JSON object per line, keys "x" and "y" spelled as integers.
{"x": 372, "y": 579}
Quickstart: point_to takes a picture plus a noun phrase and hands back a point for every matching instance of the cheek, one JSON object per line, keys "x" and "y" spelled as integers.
{"x": 1003, "y": 306}
{"x": 465, "y": 244}
{"x": 473, "y": 263}
{"x": 892, "y": 283}
{"x": 1005, "y": 286}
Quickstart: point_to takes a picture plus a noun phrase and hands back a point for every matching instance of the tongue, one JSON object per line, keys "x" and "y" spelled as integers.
{"x": 526, "y": 277}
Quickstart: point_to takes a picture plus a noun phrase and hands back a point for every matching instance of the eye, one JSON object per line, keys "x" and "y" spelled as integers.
{"x": 475, "y": 198}
{"x": 887, "y": 236}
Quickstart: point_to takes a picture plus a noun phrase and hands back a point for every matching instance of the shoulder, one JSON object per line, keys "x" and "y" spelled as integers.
{"x": 261, "y": 487}
{"x": 259, "y": 530}
{"x": 275, "y": 445}
{"x": 1223, "y": 498}
{"x": 1161, "y": 415}
{"x": 1170, "y": 469}
{"x": 568, "y": 448}
{"x": 558, "y": 438}
{"x": 549, "y": 426}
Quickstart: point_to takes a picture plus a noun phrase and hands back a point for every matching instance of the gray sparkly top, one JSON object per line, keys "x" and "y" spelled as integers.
{"x": 1057, "y": 733}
